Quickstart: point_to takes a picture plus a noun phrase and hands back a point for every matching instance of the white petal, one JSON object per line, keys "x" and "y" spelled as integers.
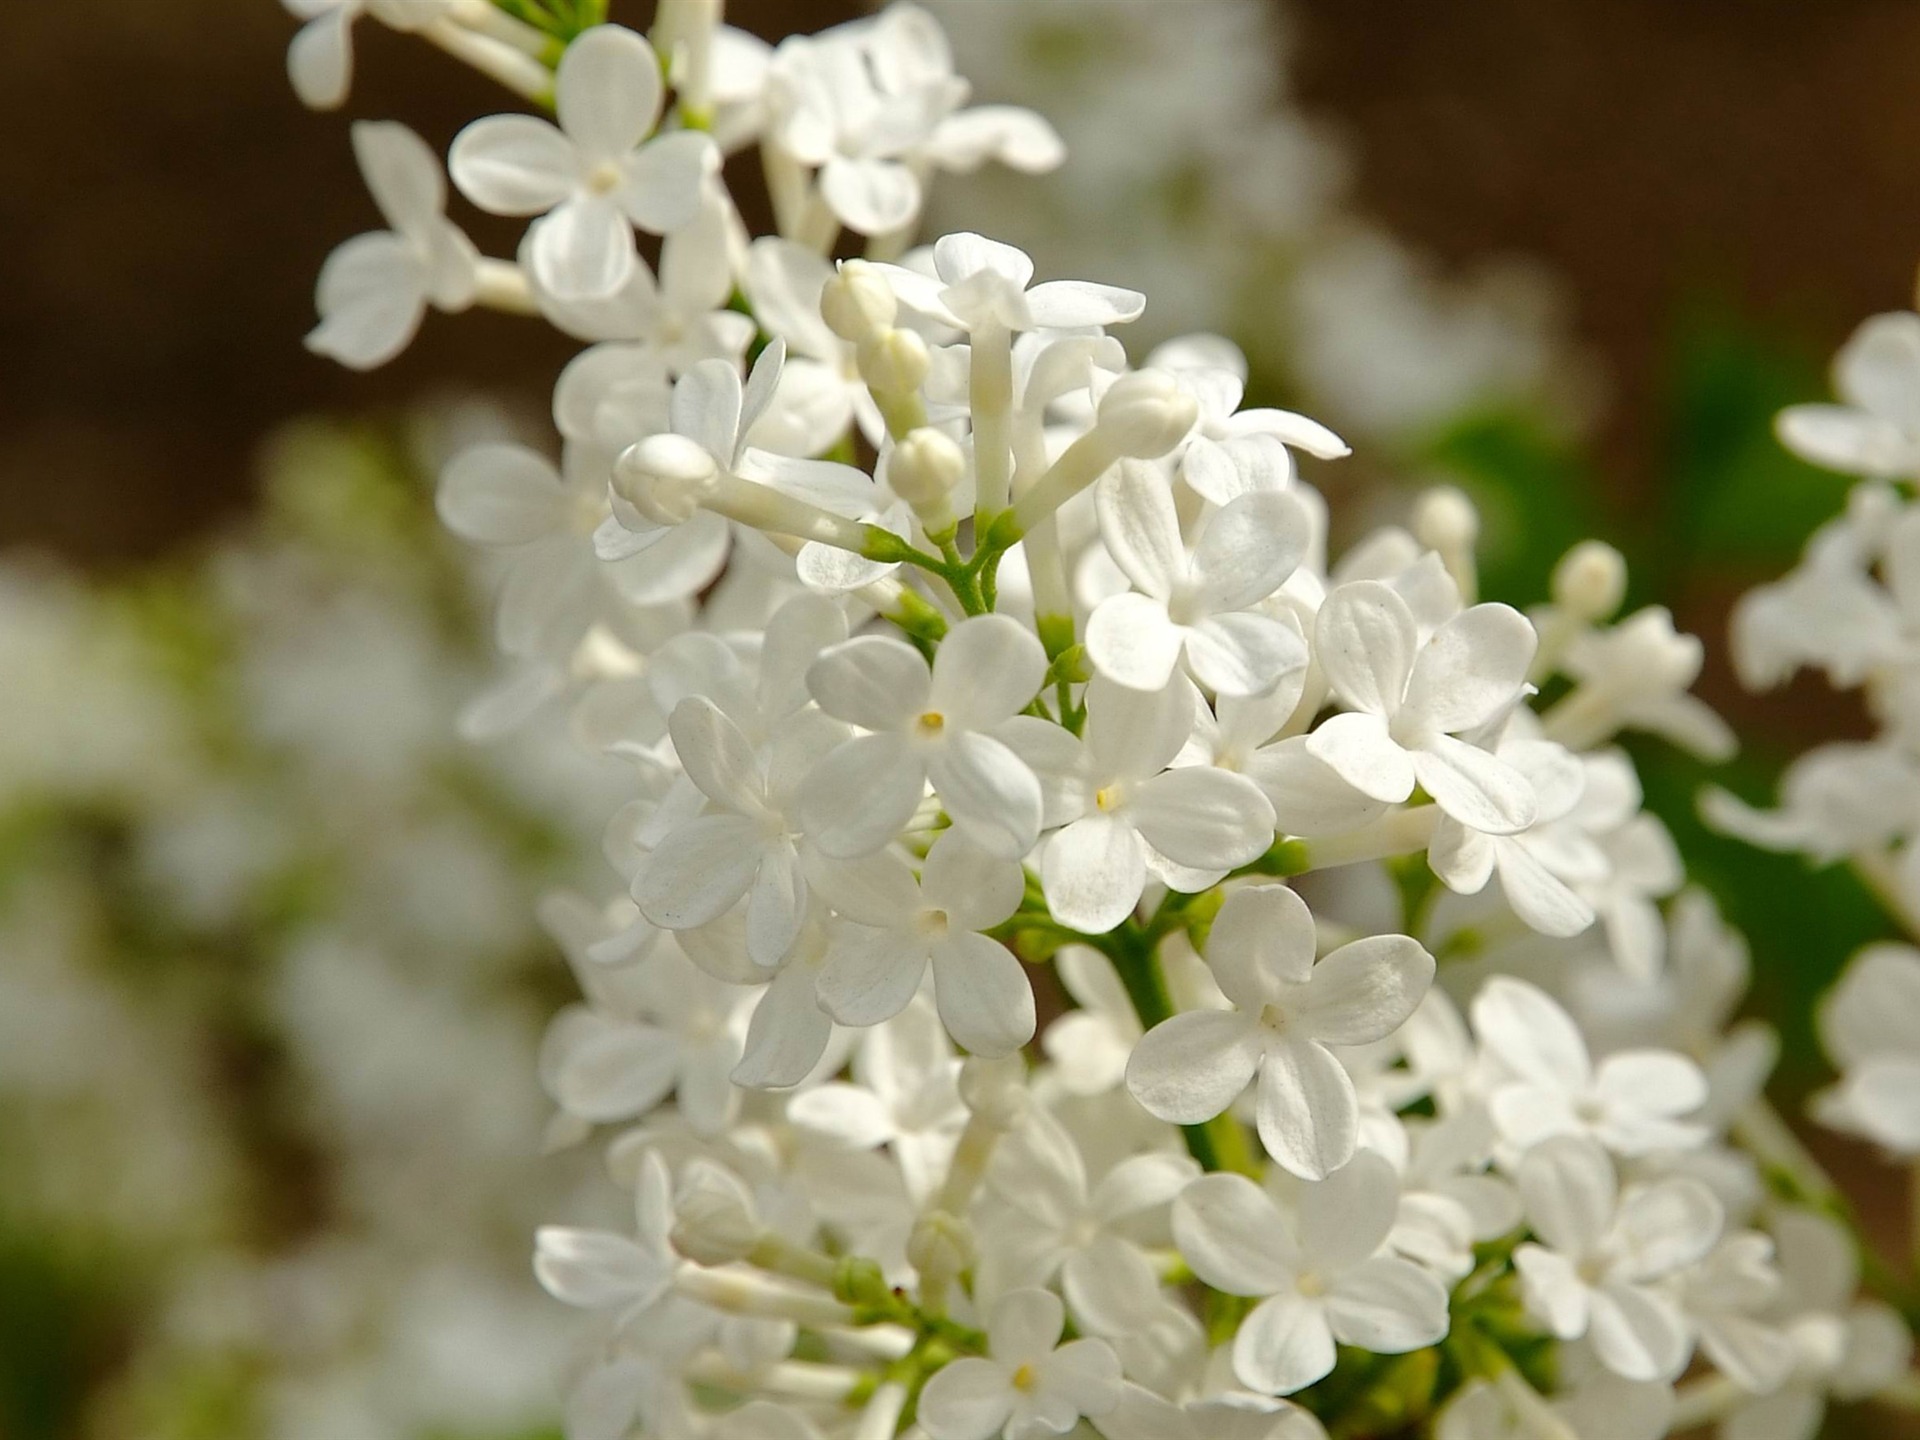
{"x": 1230, "y": 1233}
{"x": 582, "y": 249}
{"x": 873, "y": 681}
{"x": 1244, "y": 653}
{"x": 870, "y": 197}
{"x": 1309, "y": 1115}
{"x": 620, "y": 1071}
{"x": 1842, "y": 438}
{"x": 1131, "y": 641}
{"x": 1345, "y": 1218}
{"x": 1365, "y": 991}
{"x": 1357, "y": 747}
{"x": 500, "y": 495}
{"x": 1538, "y": 896}
{"x": 787, "y": 1035}
{"x": 1472, "y": 669}
{"x": 850, "y": 1114}
{"x": 1092, "y": 873}
{"x": 1568, "y": 1187}
{"x": 862, "y": 795}
{"x": 1364, "y": 638}
{"x": 986, "y": 670}
{"x": 977, "y": 889}
{"x": 776, "y": 904}
{"x": 371, "y": 295}
{"x": 681, "y": 565}
{"x": 1141, "y": 528}
{"x": 320, "y": 59}
{"x": 1262, "y": 935}
{"x": 967, "y": 1400}
{"x": 982, "y": 991}
{"x": 715, "y": 755}
{"x": 1878, "y": 368}
{"x": 1554, "y": 1292}
{"x": 607, "y": 91}
{"x": 1203, "y": 818}
{"x": 1388, "y": 1306}
{"x": 1190, "y": 1068}
{"x": 1638, "y": 1334}
{"x": 1024, "y": 1325}
{"x": 870, "y": 975}
{"x": 1074, "y": 304}
{"x": 1475, "y": 787}
{"x": 665, "y": 179}
{"x": 1309, "y": 796}
{"x": 595, "y": 1269}
{"x": 402, "y": 174}
{"x": 1134, "y": 733}
{"x": 1530, "y": 1035}
{"x": 1284, "y": 1345}
{"x": 699, "y": 872}
{"x": 513, "y": 165}
{"x": 963, "y": 253}
{"x": 1010, "y": 134}
{"x": 1248, "y": 549}
{"x": 993, "y": 797}
{"x": 1666, "y": 1226}
{"x": 1656, "y": 1082}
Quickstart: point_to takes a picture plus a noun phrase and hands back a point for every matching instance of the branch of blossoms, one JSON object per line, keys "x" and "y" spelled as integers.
{"x": 951, "y": 654}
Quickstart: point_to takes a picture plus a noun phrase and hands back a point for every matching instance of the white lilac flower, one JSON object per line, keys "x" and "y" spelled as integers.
{"x": 374, "y": 288}
{"x": 1411, "y": 700}
{"x": 1122, "y": 813}
{"x": 1287, "y": 1010}
{"x": 1028, "y": 1384}
{"x": 554, "y": 589}
{"x": 1870, "y": 1027}
{"x": 984, "y": 285}
{"x": 1598, "y": 1255}
{"x": 1875, "y": 430}
{"x": 926, "y": 723}
{"x": 599, "y": 1270}
{"x": 749, "y": 845}
{"x": 1535, "y": 864}
{"x": 1200, "y": 608}
{"x": 1544, "y": 1083}
{"x": 904, "y": 1095}
{"x": 596, "y": 175}
{"x": 900, "y": 926}
{"x": 1320, "y": 1277}
{"x": 873, "y": 105}
{"x": 1046, "y": 1218}
{"x": 664, "y": 1026}
{"x": 675, "y": 319}
{"x": 1844, "y": 1348}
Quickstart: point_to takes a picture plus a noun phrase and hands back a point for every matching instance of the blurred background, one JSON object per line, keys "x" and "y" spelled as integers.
{"x": 270, "y": 986}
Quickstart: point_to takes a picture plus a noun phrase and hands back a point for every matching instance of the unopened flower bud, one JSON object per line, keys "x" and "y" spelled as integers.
{"x": 893, "y": 361}
{"x": 940, "y": 1248}
{"x": 714, "y": 1218}
{"x": 1590, "y": 581}
{"x": 1444, "y": 519}
{"x": 923, "y": 469}
{"x": 995, "y": 1090}
{"x": 1145, "y": 414}
{"x": 664, "y": 477}
{"x": 857, "y": 302}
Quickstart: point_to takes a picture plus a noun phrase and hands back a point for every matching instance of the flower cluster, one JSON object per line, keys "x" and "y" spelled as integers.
{"x": 1851, "y": 610}
{"x": 963, "y": 670}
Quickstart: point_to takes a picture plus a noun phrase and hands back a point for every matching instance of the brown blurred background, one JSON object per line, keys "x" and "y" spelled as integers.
{"x": 168, "y": 204}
